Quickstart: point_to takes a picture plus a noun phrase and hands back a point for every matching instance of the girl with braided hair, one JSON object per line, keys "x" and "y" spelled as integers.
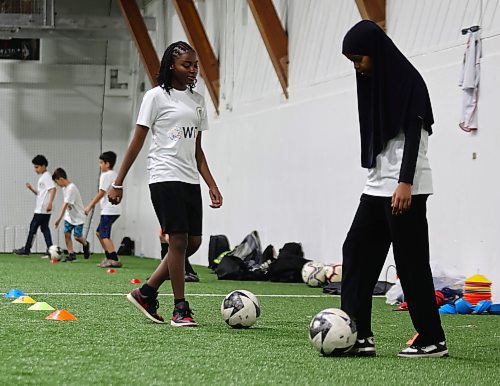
{"x": 176, "y": 116}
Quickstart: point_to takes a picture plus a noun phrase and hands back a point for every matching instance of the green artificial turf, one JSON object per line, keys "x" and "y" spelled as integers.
{"x": 112, "y": 343}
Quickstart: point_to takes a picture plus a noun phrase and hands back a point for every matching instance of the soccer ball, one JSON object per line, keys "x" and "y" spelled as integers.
{"x": 332, "y": 332}
{"x": 55, "y": 252}
{"x": 333, "y": 273}
{"x": 313, "y": 274}
{"x": 240, "y": 309}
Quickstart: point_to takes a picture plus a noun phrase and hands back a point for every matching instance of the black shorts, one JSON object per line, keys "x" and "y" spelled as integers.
{"x": 178, "y": 207}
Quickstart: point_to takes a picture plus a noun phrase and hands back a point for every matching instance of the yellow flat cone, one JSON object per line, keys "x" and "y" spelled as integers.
{"x": 61, "y": 315}
{"x": 24, "y": 299}
{"x": 477, "y": 279}
{"x": 41, "y": 306}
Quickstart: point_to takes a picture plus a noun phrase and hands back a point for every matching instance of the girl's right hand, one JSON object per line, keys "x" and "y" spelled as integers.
{"x": 215, "y": 197}
{"x": 115, "y": 196}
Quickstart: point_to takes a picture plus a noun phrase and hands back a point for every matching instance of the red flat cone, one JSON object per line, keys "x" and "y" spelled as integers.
{"x": 136, "y": 281}
{"x": 111, "y": 270}
{"x": 61, "y": 315}
{"x": 54, "y": 261}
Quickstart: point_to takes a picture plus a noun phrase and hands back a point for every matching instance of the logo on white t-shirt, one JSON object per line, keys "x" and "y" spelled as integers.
{"x": 178, "y": 132}
{"x": 201, "y": 113}
{"x": 174, "y": 134}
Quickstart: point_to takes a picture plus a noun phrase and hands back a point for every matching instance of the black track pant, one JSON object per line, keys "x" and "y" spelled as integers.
{"x": 365, "y": 249}
{"x": 39, "y": 220}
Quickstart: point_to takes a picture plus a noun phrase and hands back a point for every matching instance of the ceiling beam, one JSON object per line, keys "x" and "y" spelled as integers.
{"x": 373, "y": 10}
{"x": 209, "y": 65}
{"x": 138, "y": 30}
{"x": 274, "y": 36}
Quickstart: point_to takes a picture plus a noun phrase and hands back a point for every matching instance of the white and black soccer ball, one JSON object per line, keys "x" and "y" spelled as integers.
{"x": 240, "y": 309}
{"x": 332, "y": 332}
{"x": 55, "y": 252}
{"x": 313, "y": 274}
{"x": 333, "y": 273}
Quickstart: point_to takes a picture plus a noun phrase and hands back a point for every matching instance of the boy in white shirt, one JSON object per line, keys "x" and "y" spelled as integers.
{"x": 109, "y": 212}
{"x": 73, "y": 213}
{"x": 45, "y": 193}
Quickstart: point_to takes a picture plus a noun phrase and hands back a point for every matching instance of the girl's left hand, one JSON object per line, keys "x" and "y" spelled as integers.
{"x": 401, "y": 199}
{"x": 216, "y": 197}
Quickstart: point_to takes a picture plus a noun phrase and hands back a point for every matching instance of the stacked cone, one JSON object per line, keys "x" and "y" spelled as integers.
{"x": 477, "y": 288}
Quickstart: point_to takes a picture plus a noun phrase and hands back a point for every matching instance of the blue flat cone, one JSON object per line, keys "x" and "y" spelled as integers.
{"x": 13, "y": 294}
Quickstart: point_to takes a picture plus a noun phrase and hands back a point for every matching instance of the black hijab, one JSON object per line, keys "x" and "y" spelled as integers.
{"x": 392, "y": 97}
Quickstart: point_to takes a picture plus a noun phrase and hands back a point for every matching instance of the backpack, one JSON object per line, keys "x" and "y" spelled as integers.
{"x": 218, "y": 244}
{"x": 243, "y": 262}
{"x": 287, "y": 268}
{"x": 127, "y": 247}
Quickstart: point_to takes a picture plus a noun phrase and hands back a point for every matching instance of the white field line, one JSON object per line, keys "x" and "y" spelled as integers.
{"x": 199, "y": 295}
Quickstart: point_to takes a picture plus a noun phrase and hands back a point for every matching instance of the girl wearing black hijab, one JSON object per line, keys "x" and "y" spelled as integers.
{"x": 395, "y": 118}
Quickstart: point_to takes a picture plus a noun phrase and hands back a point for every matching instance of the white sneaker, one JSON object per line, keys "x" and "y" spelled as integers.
{"x": 432, "y": 351}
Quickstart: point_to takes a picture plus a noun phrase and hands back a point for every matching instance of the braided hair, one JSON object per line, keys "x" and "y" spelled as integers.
{"x": 173, "y": 51}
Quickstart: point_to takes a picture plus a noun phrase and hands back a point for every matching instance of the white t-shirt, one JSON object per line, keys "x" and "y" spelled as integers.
{"x": 74, "y": 213}
{"x": 174, "y": 120}
{"x": 105, "y": 182}
{"x": 45, "y": 183}
{"x": 383, "y": 178}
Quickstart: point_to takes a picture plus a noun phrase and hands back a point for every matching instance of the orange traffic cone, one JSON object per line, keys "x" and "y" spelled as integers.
{"x": 61, "y": 315}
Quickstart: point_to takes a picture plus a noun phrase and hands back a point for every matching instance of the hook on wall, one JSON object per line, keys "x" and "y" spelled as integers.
{"x": 474, "y": 28}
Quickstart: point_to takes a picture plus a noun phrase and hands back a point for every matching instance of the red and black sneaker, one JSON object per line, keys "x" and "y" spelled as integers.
{"x": 183, "y": 316}
{"x": 147, "y": 305}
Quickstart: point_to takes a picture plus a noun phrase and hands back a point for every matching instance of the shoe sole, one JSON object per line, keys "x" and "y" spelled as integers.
{"x": 441, "y": 354}
{"x": 362, "y": 353}
{"x": 132, "y": 300}
{"x": 188, "y": 324}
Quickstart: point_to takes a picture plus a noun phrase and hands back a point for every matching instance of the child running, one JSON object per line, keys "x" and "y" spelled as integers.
{"x": 109, "y": 212}
{"x": 176, "y": 115}
{"x": 74, "y": 216}
{"x": 45, "y": 193}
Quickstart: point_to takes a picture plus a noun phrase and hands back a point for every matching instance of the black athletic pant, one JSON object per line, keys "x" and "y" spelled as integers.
{"x": 365, "y": 249}
{"x": 39, "y": 220}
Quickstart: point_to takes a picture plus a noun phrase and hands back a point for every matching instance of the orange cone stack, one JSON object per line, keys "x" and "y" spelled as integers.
{"x": 477, "y": 288}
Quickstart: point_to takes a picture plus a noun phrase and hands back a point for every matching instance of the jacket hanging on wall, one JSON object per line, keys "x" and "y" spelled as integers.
{"x": 469, "y": 80}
